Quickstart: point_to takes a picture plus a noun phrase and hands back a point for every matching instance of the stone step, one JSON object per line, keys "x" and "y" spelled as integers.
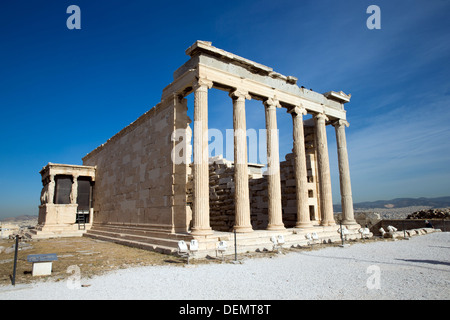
{"x": 139, "y": 231}
{"x": 158, "y": 241}
{"x": 258, "y": 240}
{"x": 292, "y": 237}
{"x": 133, "y": 243}
{"x": 68, "y": 231}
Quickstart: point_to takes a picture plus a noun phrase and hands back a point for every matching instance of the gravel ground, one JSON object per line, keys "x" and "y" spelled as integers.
{"x": 414, "y": 269}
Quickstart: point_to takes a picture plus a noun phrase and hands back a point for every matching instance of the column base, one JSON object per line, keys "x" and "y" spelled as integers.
{"x": 275, "y": 227}
{"x": 327, "y": 223}
{"x": 304, "y": 225}
{"x": 243, "y": 229}
{"x": 349, "y": 222}
{"x": 202, "y": 232}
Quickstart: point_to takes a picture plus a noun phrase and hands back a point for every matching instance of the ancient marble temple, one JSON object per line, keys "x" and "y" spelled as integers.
{"x": 136, "y": 191}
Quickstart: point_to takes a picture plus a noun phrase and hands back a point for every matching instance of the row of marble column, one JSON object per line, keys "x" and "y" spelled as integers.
{"x": 201, "y": 225}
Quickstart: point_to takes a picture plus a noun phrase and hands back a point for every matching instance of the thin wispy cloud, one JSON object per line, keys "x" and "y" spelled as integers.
{"x": 402, "y": 146}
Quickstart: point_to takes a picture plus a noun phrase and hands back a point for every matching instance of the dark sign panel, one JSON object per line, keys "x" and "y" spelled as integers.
{"x": 42, "y": 257}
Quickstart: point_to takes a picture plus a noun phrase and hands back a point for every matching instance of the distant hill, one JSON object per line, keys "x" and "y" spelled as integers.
{"x": 19, "y": 218}
{"x": 440, "y": 202}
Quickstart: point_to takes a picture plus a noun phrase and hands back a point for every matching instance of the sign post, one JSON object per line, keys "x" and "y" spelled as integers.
{"x": 15, "y": 260}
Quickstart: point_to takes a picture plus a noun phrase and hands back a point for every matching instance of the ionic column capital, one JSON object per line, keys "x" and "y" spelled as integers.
{"x": 321, "y": 116}
{"x": 272, "y": 103}
{"x": 202, "y": 83}
{"x": 298, "y": 110}
{"x": 340, "y": 123}
{"x": 240, "y": 95}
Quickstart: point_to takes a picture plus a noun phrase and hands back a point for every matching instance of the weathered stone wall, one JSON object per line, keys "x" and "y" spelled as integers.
{"x": 136, "y": 181}
{"x": 221, "y": 186}
{"x": 259, "y": 196}
{"x": 221, "y": 193}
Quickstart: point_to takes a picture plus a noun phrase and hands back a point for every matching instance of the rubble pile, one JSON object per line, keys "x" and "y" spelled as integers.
{"x": 443, "y": 213}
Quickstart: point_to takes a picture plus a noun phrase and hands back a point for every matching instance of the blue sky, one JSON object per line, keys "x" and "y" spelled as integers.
{"x": 64, "y": 92}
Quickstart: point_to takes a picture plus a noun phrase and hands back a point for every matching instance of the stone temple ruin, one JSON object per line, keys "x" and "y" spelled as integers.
{"x": 140, "y": 188}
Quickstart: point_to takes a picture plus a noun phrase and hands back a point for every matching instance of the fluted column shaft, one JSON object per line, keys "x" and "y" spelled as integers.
{"x": 344, "y": 173}
{"x": 326, "y": 198}
{"x": 241, "y": 191}
{"x": 273, "y": 167}
{"x": 301, "y": 173}
{"x": 200, "y": 215}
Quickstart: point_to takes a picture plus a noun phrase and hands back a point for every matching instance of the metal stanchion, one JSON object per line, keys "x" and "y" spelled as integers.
{"x": 15, "y": 261}
{"x": 235, "y": 246}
